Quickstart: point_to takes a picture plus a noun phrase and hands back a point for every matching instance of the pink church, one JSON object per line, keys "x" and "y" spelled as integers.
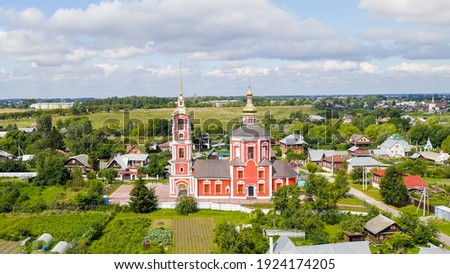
{"x": 249, "y": 173}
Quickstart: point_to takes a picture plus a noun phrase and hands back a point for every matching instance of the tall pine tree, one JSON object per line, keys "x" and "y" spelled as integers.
{"x": 143, "y": 200}
{"x": 392, "y": 188}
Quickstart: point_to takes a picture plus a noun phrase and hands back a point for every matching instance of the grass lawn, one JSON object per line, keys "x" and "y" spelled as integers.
{"x": 351, "y": 201}
{"x": 371, "y": 191}
{"x": 352, "y": 208}
{"x": 442, "y": 225}
{"x": 218, "y": 215}
{"x": 437, "y": 181}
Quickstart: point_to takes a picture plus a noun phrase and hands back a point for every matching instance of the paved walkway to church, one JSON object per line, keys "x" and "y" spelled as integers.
{"x": 122, "y": 196}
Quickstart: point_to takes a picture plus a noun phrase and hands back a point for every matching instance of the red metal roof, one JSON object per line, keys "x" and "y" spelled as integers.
{"x": 380, "y": 172}
{"x": 414, "y": 181}
{"x": 334, "y": 158}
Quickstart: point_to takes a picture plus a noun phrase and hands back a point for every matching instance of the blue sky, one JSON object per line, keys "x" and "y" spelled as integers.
{"x": 117, "y": 48}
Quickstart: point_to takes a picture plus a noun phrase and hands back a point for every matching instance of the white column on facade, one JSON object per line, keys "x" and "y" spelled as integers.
{"x": 231, "y": 182}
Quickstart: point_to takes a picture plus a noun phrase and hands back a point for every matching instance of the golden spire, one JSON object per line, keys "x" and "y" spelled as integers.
{"x": 249, "y": 92}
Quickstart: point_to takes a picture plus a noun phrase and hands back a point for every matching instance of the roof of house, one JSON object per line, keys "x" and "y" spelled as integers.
{"x": 434, "y": 156}
{"x": 285, "y": 246}
{"x": 251, "y": 131}
{"x": 414, "y": 181}
{"x": 164, "y": 145}
{"x": 236, "y": 162}
{"x": 433, "y": 250}
{"x": 380, "y": 172}
{"x": 123, "y": 160}
{"x": 82, "y": 158}
{"x": 378, "y": 224}
{"x": 415, "y": 156}
{"x": 212, "y": 168}
{"x": 380, "y": 152}
{"x": 356, "y": 137}
{"x": 265, "y": 162}
{"x": 334, "y": 159}
{"x": 293, "y": 139}
{"x": 390, "y": 142}
{"x": 365, "y": 162}
{"x": 281, "y": 169}
{"x": 316, "y": 155}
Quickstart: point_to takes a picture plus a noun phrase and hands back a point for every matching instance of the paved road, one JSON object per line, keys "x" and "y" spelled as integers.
{"x": 444, "y": 238}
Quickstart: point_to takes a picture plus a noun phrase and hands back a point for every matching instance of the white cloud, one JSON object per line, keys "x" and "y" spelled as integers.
{"x": 107, "y": 68}
{"x": 419, "y": 68}
{"x": 198, "y": 29}
{"x": 421, "y": 11}
{"x": 335, "y": 66}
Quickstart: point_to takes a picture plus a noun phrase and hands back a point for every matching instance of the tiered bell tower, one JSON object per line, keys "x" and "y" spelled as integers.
{"x": 181, "y": 177}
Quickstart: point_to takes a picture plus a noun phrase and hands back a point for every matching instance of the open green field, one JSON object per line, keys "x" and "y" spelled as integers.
{"x": 223, "y": 114}
{"x": 12, "y": 110}
{"x": 7, "y": 247}
{"x": 371, "y": 191}
{"x": 437, "y": 181}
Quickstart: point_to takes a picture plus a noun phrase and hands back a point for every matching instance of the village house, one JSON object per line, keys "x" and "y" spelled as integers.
{"x": 296, "y": 142}
{"x": 440, "y": 158}
{"x": 135, "y": 149}
{"x": 79, "y": 161}
{"x": 347, "y": 119}
{"x": 315, "y": 156}
{"x": 368, "y": 163}
{"x": 127, "y": 165}
{"x": 380, "y": 153}
{"x": 355, "y": 151}
{"x": 333, "y": 163}
{"x": 379, "y": 228}
{"x": 396, "y": 146}
{"x": 411, "y": 181}
{"x": 360, "y": 140}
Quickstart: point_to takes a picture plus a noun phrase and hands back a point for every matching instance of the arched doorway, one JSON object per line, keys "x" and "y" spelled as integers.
{"x": 250, "y": 191}
{"x": 181, "y": 190}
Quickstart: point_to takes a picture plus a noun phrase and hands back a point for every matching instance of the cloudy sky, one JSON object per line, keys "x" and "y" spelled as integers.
{"x": 117, "y": 48}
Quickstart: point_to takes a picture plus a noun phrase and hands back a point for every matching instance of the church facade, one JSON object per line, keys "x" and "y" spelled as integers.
{"x": 250, "y": 173}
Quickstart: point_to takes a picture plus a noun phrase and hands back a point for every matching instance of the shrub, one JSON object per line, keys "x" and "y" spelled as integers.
{"x": 186, "y": 205}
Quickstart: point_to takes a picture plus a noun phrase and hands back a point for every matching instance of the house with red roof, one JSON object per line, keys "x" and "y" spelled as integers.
{"x": 333, "y": 163}
{"x": 411, "y": 181}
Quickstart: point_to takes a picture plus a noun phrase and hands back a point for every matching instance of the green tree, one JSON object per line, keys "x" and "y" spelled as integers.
{"x": 286, "y": 199}
{"x": 109, "y": 174}
{"x": 397, "y": 243}
{"x": 353, "y": 224}
{"x": 356, "y": 174}
{"x": 321, "y": 194}
{"x": 186, "y": 205}
{"x": 143, "y": 199}
{"x": 348, "y": 130}
{"x": 50, "y": 168}
{"x": 421, "y": 232}
{"x": 392, "y": 188}
{"x": 446, "y": 144}
{"x": 227, "y": 238}
{"x": 44, "y": 124}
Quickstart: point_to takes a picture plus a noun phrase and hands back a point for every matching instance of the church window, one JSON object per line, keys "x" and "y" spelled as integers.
{"x": 261, "y": 187}
{"x": 240, "y": 174}
{"x": 181, "y": 153}
{"x": 260, "y": 174}
{"x": 240, "y": 189}
{"x": 251, "y": 153}
{"x": 218, "y": 189}
{"x": 181, "y": 169}
{"x": 227, "y": 190}
{"x": 207, "y": 187}
{"x": 180, "y": 124}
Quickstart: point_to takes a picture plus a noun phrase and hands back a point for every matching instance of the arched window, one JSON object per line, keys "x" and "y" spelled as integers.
{"x": 218, "y": 187}
{"x": 181, "y": 124}
{"x": 181, "y": 153}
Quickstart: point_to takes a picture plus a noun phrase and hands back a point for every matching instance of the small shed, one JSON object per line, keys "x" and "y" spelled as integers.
{"x": 60, "y": 247}
{"x": 353, "y": 237}
{"x": 442, "y": 212}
